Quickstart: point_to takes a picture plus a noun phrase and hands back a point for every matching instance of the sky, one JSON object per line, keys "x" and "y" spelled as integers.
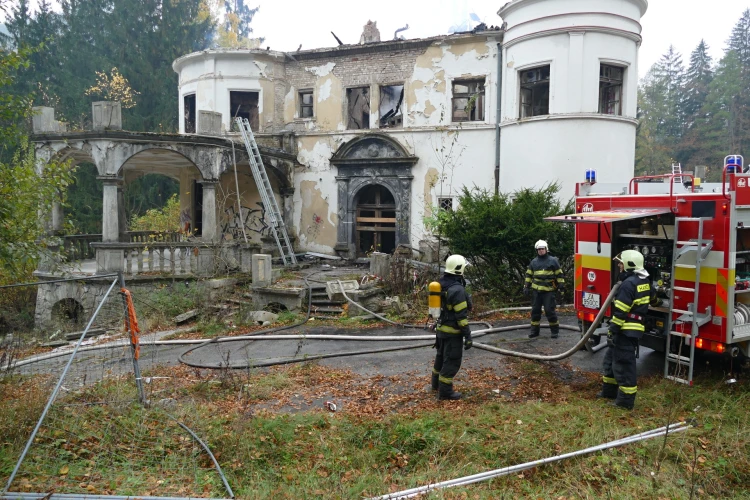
{"x": 287, "y": 24}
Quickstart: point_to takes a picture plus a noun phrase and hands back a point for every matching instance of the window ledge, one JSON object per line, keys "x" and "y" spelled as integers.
{"x": 477, "y": 123}
{"x": 571, "y": 116}
{"x": 311, "y": 119}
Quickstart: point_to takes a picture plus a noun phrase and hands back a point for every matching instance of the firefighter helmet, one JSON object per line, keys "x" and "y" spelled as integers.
{"x": 632, "y": 260}
{"x": 541, "y": 244}
{"x": 455, "y": 265}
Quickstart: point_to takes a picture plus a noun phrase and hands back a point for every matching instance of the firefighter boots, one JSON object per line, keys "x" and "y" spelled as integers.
{"x": 446, "y": 392}
{"x": 626, "y": 401}
{"x": 609, "y": 391}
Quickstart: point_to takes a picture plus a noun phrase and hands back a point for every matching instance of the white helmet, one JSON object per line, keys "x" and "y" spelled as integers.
{"x": 455, "y": 265}
{"x": 541, "y": 244}
{"x": 632, "y": 260}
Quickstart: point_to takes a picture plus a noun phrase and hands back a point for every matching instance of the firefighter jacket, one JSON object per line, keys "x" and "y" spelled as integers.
{"x": 631, "y": 305}
{"x": 455, "y": 305}
{"x": 543, "y": 272}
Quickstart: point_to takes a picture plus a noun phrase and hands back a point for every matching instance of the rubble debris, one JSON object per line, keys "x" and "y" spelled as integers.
{"x": 182, "y": 318}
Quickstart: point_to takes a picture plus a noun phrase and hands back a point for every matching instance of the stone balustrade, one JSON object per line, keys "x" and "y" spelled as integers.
{"x": 196, "y": 258}
{"x": 78, "y": 246}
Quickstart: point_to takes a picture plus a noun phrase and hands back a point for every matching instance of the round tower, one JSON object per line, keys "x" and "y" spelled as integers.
{"x": 569, "y": 92}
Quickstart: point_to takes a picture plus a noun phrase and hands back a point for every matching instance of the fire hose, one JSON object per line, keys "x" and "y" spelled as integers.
{"x": 538, "y": 357}
{"x": 258, "y": 336}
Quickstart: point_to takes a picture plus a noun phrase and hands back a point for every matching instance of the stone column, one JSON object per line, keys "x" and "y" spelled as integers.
{"x": 210, "y": 231}
{"x": 344, "y": 228}
{"x": 110, "y": 259}
{"x": 110, "y": 209}
{"x": 58, "y": 217}
{"x": 122, "y": 217}
{"x": 287, "y": 208}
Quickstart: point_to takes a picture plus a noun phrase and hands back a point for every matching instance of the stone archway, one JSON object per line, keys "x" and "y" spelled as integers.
{"x": 372, "y": 160}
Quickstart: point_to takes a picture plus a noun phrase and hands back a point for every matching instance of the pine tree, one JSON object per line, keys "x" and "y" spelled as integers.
{"x": 669, "y": 74}
{"x": 697, "y": 82}
{"x": 697, "y": 79}
{"x": 739, "y": 45}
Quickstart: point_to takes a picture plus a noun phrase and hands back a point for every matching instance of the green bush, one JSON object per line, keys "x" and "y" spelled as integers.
{"x": 497, "y": 234}
{"x": 165, "y": 219}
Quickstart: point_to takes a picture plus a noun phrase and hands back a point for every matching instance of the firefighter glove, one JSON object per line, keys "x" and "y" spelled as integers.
{"x": 468, "y": 343}
{"x": 610, "y": 339}
{"x": 526, "y": 291}
{"x": 561, "y": 289}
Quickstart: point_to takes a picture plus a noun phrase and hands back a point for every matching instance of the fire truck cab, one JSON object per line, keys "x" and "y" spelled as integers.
{"x": 696, "y": 247}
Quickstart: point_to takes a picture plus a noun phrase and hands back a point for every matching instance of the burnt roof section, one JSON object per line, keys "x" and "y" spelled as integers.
{"x": 391, "y": 45}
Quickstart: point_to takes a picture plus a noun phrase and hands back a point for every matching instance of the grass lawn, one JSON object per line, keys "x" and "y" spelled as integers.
{"x": 274, "y": 438}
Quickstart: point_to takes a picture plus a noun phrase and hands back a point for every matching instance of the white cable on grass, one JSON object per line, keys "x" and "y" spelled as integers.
{"x": 463, "y": 481}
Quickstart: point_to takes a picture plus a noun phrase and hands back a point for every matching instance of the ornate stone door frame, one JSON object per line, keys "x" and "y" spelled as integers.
{"x": 371, "y": 159}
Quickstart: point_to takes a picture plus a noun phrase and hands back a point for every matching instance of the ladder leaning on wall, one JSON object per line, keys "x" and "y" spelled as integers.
{"x": 278, "y": 229}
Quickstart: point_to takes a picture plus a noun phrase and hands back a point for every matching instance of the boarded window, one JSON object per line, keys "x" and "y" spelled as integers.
{"x": 535, "y": 91}
{"x": 468, "y": 100}
{"x": 358, "y": 106}
{"x": 610, "y": 89}
{"x": 188, "y": 102}
{"x": 376, "y": 220}
{"x": 391, "y": 100}
{"x": 244, "y": 105}
{"x": 305, "y": 103}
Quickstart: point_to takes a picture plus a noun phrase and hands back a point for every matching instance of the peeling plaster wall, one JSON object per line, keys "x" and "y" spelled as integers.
{"x": 253, "y": 213}
{"x": 318, "y": 222}
{"x": 469, "y": 163}
{"x": 428, "y": 92}
{"x": 451, "y": 155}
{"x": 213, "y": 75}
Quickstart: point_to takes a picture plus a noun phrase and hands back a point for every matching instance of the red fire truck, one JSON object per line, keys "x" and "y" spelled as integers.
{"x": 696, "y": 247}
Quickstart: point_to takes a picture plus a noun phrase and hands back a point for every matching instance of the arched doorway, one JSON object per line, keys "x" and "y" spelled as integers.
{"x": 376, "y": 220}
{"x": 374, "y": 195}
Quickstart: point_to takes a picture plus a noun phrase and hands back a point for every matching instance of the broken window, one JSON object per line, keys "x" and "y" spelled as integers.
{"x": 305, "y": 103}
{"x": 468, "y": 101}
{"x": 610, "y": 89}
{"x": 391, "y": 99}
{"x": 188, "y": 102}
{"x": 244, "y": 105}
{"x": 535, "y": 91}
{"x": 445, "y": 204}
{"x": 358, "y": 106}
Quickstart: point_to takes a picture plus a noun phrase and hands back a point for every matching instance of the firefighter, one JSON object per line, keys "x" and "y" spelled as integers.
{"x": 542, "y": 275}
{"x": 626, "y": 327}
{"x": 452, "y": 328}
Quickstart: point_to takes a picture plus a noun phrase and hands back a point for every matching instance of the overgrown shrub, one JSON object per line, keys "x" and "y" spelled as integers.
{"x": 497, "y": 234}
{"x": 165, "y": 219}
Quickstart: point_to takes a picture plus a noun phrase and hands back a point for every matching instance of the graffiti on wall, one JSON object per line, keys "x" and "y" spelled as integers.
{"x": 252, "y": 219}
{"x": 313, "y": 230}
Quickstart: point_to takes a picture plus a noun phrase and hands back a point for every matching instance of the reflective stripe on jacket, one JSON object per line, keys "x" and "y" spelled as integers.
{"x": 543, "y": 272}
{"x": 630, "y": 306}
{"x": 455, "y": 305}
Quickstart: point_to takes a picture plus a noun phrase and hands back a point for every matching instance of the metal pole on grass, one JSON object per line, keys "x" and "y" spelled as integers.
{"x": 130, "y": 326}
{"x": 57, "y": 389}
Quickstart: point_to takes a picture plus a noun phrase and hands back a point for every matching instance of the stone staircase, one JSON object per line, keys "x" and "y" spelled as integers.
{"x": 322, "y": 305}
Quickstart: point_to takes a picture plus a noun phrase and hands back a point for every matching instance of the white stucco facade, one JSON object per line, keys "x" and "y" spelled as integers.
{"x": 573, "y": 37}
{"x": 435, "y": 154}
